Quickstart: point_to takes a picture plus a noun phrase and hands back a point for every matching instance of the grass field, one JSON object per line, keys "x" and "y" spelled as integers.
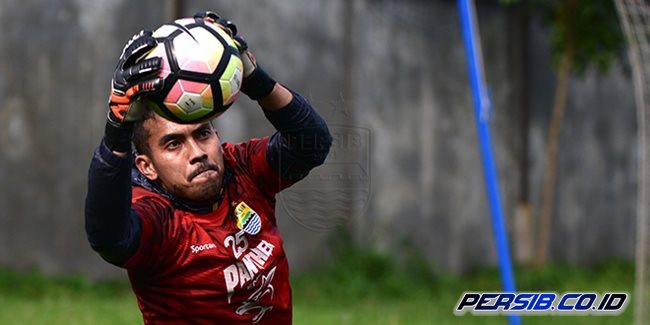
{"x": 356, "y": 289}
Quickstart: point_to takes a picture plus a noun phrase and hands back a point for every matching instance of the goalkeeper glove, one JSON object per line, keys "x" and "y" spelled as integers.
{"x": 257, "y": 83}
{"x": 131, "y": 80}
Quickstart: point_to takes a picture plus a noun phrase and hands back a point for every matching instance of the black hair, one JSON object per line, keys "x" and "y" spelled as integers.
{"x": 141, "y": 134}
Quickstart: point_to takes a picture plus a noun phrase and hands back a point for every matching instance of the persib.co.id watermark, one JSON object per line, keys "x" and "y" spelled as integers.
{"x": 541, "y": 303}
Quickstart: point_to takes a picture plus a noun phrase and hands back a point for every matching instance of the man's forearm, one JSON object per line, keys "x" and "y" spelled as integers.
{"x": 277, "y": 99}
{"x": 303, "y": 139}
{"x": 112, "y": 227}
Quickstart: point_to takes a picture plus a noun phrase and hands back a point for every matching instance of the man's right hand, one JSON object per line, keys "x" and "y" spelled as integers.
{"x": 131, "y": 80}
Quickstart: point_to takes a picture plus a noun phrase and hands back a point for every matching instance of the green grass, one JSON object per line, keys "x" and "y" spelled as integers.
{"x": 362, "y": 288}
{"x": 358, "y": 288}
{"x": 31, "y": 298}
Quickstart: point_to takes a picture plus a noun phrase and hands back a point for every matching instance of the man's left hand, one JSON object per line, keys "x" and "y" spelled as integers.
{"x": 257, "y": 83}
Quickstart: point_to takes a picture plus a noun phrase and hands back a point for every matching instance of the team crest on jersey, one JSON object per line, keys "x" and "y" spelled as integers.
{"x": 247, "y": 219}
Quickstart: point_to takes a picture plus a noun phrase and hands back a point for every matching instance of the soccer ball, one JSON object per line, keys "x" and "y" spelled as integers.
{"x": 202, "y": 71}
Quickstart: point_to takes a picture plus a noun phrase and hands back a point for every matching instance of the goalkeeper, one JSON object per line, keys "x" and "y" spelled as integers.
{"x": 192, "y": 219}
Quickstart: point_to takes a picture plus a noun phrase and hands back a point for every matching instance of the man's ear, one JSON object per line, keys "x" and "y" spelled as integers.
{"x": 146, "y": 167}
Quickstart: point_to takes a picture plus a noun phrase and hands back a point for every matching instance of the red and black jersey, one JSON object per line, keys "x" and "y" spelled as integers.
{"x": 217, "y": 264}
{"x": 226, "y": 266}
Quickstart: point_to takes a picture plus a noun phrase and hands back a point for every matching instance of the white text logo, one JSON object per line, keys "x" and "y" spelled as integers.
{"x": 199, "y": 248}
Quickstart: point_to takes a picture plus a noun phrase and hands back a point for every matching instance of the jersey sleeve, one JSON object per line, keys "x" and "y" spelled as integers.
{"x": 250, "y": 158}
{"x": 154, "y": 248}
{"x": 302, "y": 140}
{"x": 112, "y": 229}
{"x": 301, "y": 143}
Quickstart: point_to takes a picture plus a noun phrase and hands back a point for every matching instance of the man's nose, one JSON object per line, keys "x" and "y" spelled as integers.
{"x": 196, "y": 152}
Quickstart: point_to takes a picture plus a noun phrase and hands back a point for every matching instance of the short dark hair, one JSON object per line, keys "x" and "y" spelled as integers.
{"x": 141, "y": 134}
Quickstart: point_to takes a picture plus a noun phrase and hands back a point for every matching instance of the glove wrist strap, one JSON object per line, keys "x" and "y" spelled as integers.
{"x": 118, "y": 135}
{"x": 258, "y": 85}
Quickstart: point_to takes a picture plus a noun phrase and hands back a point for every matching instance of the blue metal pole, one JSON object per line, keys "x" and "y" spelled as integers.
{"x": 482, "y": 107}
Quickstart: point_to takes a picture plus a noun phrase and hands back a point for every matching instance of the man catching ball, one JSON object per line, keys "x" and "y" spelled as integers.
{"x": 190, "y": 218}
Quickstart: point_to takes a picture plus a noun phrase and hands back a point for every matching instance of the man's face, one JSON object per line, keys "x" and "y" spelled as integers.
{"x": 187, "y": 158}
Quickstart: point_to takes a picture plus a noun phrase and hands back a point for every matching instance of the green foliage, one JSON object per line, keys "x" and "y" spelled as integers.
{"x": 356, "y": 274}
{"x": 509, "y": 2}
{"x": 598, "y": 37}
{"x": 591, "y": 29}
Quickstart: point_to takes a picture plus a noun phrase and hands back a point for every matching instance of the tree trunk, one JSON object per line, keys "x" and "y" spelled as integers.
{"x": 559, "y": 107}
{"x": 524, "y": 230}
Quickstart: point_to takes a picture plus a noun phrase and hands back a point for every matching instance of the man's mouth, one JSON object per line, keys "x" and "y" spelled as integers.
{"x": 201, "y": 170}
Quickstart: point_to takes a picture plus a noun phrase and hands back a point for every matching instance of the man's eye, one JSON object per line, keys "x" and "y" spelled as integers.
{"x": 205, "y": 133}
{"x": 172, "y": 145}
